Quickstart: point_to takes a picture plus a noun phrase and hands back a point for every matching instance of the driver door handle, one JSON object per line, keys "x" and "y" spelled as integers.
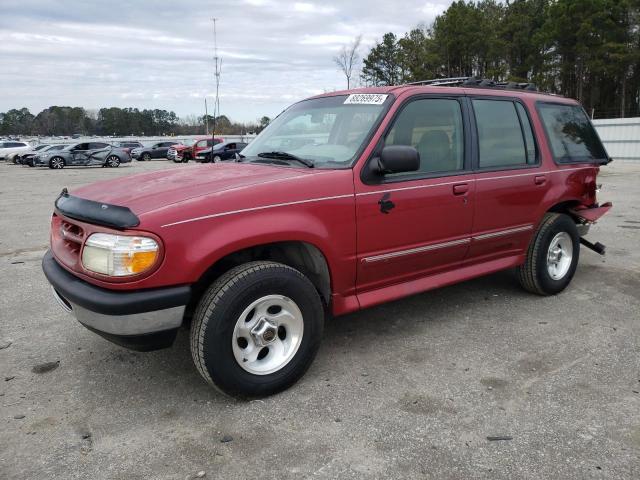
{"x": 460, "y": 188}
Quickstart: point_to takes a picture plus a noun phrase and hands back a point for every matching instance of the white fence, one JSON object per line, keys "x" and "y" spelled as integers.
{"x": 621, "y": 137}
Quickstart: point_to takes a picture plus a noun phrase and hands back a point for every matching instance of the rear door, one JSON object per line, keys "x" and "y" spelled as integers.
{"x": 98, "y": 152}
{"x": 509, "y": 180}
{"x": 415, "y": 224}
{"x": 163, "y": 149}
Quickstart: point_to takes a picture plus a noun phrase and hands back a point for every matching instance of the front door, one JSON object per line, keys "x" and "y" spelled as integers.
{"x": 415, "y": 224}
{"x": 80, "y": 154}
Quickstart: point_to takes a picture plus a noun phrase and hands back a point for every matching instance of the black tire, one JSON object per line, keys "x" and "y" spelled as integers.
{"x": 57, "y": 163}
{"x": 534, "y": 274}
{"x": 212, "y": 329}
{"x": 112, "y": 161}
{"x": 145, "y": 157}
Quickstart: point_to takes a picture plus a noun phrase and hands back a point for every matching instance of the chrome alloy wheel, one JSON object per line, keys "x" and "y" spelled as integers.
{"x": 217, "y": 159}
{"x": 559, "y": 255}
{"x": 267, "y": 335}
{"x": 113, "y": 161}
{"x": 57, "y": 163}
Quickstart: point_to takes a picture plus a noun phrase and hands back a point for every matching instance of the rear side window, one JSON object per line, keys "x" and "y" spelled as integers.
{"x": 570, "y": 133}
{"x": 505, "y": 138}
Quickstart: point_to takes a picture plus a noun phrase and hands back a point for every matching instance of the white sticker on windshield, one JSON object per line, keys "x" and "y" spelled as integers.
{"x": 365, "y": 99}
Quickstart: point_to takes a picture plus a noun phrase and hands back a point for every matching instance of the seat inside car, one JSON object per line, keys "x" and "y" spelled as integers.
{"x": 435, "y": 152}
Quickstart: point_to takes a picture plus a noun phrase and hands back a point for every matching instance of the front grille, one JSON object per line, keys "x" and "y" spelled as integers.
{"x": 67, "y": 238}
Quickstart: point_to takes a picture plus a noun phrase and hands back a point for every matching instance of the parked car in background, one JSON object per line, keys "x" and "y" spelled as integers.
{"x": 83, "y": 154}
{"x": 156, "y": 150}
{"x": 31, "y": 160}
{"x": 128, "y": 145}
{"x": 8, "y": 149}
{"x": 189, "y": 149}
{"x": 19, "y": 157}
{"x": 220, "y": 152}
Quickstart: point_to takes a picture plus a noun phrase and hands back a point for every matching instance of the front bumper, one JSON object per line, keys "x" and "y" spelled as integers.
{"x": 140, "y": 319}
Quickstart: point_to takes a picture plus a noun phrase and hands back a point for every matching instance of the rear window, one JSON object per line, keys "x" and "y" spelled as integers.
{"x": 571, "y": 135}
{"x": 505, "y": 138}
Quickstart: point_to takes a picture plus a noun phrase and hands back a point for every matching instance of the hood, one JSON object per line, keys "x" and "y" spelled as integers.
{"x": 146, "y": 192}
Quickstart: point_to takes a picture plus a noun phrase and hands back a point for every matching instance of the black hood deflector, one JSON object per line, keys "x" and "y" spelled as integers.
{"x": 97, "y": 213}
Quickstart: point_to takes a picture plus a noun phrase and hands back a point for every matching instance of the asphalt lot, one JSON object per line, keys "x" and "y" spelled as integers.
{"x": 410, "y": 389}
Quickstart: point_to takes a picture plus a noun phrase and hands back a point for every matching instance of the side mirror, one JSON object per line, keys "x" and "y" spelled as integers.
{"x": 397, "y": 159}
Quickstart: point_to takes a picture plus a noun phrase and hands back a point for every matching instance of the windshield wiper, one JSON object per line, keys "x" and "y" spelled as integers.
{"x": 287, "y": 156}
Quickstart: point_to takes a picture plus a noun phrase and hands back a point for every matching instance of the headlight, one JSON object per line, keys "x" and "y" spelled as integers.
{"x": 119, "y": 255}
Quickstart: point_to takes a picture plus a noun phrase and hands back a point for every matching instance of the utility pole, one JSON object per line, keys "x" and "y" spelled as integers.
{"x": 216, "y": 72}
{"x": 206, "y": 117}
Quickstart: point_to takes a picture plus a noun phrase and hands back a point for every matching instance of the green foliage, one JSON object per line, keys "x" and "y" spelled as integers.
{"x": 112, "y": 121}
{"x": 586, "y": 49}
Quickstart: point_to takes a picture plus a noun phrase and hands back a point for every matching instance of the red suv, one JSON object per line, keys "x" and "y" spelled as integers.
{"x": 346, "y": 200}
{"x": 183, "y": 152}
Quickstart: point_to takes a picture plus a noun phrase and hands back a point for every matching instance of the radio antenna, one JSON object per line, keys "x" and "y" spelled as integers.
{"x": 217, "y": 69}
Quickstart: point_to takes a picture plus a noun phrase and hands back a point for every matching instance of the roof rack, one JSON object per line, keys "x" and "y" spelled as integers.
{"x": 476, "y": 82}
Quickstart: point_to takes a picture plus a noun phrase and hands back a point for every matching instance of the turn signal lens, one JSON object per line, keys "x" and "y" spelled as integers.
{"x": 119, "y": 255}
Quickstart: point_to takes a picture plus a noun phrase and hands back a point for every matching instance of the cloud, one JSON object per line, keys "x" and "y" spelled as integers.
{"x": 158, "y": 54}
{"x": 312, "y": 8}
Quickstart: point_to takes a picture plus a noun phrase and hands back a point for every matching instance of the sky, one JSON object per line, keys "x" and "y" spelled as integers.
{"x": 159, "y": 54}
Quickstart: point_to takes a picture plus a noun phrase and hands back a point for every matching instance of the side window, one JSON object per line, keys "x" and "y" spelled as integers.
{"x": 529, "y": 139}
{"x": 434, "y": 127}
{"x": 570, "y": 133}
{"x": 202, "y": 143}
{"x": 231, "y": 146}
{"x": 501, "y": 140}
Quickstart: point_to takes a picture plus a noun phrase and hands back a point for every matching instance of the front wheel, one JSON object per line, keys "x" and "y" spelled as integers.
{"x": 257, "y": 329}
{"x": 145, "y": 157}
{"x": 217, "y": 159}
{"x": 552, "y": 257}
{"x": 56, "y": 163}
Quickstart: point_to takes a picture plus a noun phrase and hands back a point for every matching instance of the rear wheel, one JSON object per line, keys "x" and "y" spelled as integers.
{"x": 257, "y": 329}
{"x": 57, "y": 163}
{"x": 113, "y": 161}
{"x": 552, "y": 257}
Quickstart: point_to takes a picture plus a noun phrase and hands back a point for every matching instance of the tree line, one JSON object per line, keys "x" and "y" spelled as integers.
{"x": 584, "y": 49}
{"x": 64, "y": 121}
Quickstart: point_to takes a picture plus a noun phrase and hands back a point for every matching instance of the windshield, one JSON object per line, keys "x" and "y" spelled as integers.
{"x": 329, "y": 131}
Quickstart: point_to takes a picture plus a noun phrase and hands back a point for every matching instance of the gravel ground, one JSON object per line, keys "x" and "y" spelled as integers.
{"x": 409, "y": 389}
